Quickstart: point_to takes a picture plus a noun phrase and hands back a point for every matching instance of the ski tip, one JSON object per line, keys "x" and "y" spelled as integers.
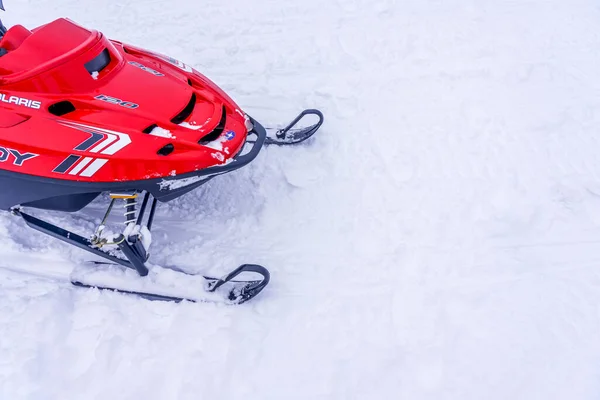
{"x": 290, "y": 135}
{"x": 242, "y": 291}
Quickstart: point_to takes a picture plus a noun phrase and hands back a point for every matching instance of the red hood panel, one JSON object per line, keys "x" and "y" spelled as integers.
{"x": 158, "y": 98}
{"x": 95, "y": 127}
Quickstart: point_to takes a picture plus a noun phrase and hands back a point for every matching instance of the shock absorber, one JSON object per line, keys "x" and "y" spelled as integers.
{"x": 130, "y": 205}
{"x": 129, "y": 241}
{"x": 130, "y": 216}
{"x": 130, "y": 211}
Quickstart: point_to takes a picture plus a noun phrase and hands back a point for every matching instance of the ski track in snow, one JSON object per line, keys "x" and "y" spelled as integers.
{"x": 437, "y": 239}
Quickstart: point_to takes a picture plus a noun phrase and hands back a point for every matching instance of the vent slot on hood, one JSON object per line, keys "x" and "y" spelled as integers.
{"x": 186, "y": 112}
{"x": 61, "y": 108}
{"x": 166, "y": 150}
{"x": 214, "y": 135}
{"x": 150, "y": 128}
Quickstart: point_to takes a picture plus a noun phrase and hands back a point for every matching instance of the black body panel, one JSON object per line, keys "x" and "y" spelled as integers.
{"x": 67, "y": 203}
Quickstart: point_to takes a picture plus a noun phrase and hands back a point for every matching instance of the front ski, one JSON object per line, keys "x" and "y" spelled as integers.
{"x": 164, "y": 284}
{"x": 155, "y": 283}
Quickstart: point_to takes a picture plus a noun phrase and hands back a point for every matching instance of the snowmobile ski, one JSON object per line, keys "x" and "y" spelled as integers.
{"x": 226, "y": 289}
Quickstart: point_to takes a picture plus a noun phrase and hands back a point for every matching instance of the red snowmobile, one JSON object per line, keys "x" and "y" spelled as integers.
{"x": 83, "y": 116}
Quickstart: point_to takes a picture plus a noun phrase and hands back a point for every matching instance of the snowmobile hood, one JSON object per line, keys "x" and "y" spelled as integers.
{"x": 85, "y": 67}
{"x": 148, "y": 115}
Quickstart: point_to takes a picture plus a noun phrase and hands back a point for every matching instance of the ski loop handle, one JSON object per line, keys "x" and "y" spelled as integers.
{"x": 291, "y": 135}
{"x": 311, "y": 111}
{"x": 250, "y": 290}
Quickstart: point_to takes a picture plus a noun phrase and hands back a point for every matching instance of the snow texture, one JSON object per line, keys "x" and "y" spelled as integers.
{"x": 192, "y": 125}
{"x": 218, "y": 145}
{"x": 161, "y": 132}
{"x": 438, "y": 239}
{"x": 179, "y": 183}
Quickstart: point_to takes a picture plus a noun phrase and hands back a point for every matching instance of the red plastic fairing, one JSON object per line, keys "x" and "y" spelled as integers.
{"x": 90, "y": 125}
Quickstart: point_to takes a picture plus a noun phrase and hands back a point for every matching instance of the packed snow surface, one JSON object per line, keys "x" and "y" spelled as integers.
{"x": 438, "y": 239}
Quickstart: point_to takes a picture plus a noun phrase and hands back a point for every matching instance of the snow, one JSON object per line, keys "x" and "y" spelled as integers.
{"x": 141, "y": 232}
{"x": 160, "y": 281}
{"x": 217, "y": 144}
{"x": 192, "y": 125}
{"x": 172, "y": 184}
{"x": 161, "y": 132}
{"x": 437, "y": 240}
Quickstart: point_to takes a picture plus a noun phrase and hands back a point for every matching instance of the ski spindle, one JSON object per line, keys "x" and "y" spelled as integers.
{"x": 151, "y": 216}
{"x": 143, "y": 209}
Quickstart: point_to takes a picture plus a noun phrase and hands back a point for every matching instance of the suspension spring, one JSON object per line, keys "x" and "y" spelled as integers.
{"x": 130, "y": 210}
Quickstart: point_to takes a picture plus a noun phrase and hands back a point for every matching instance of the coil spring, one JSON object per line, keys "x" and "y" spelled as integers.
{"x": 130, "y": 211}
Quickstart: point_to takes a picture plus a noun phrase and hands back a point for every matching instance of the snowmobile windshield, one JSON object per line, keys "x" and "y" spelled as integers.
{"x": 2, "y": 33}
{"x": 2, "y": 27}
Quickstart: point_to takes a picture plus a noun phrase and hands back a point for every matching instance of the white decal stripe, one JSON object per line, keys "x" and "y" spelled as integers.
{"x": 123, "y": 138}
{"x": 108, "y": 140}
{"x": 94, "y": 167}
{"x": 80, "y": 165}
{"x": 123, "y": 141}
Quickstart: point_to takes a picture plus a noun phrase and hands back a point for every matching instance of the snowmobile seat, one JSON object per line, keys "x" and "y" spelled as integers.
{"x": 14, "y": 37}
{"x": 44, "y": 47}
